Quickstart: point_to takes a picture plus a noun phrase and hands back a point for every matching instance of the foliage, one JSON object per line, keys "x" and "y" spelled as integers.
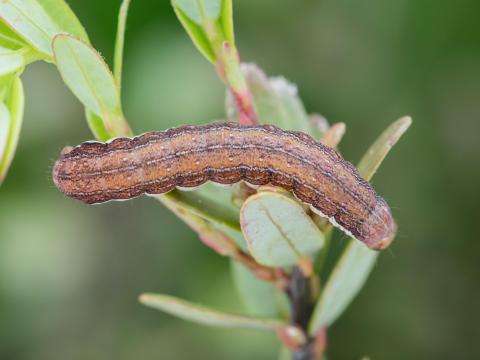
{"x": 267, "y": 235}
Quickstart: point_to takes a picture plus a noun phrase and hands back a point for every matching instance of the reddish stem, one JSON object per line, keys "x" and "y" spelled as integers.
{"x": 246, "y": 111}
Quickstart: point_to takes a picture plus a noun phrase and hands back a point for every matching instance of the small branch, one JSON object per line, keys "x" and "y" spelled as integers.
{"x": 299, "y": 293}
{"x": 120, "y": 41}
{"x": 301, "y": 307}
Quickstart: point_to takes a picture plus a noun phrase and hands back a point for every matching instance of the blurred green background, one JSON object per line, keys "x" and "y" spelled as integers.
{"x": 70, "y": 274}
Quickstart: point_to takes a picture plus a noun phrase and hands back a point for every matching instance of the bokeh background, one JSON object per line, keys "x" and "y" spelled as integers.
{"x": 70, "y": 274}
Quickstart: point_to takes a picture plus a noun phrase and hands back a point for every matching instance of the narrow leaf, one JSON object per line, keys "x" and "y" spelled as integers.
{"x": 370, "y": 162}
{"x": 285, "y": 353}
{"x": 276, "y": 101}
{"x": 9, "y": 39}
{"x": 356, "y": 261}
{"x": 227, "y": 21}
{"x": 189, "y": 208}
{"x": 209, "y": 24}
{"x": 209, "y": 203}
{"x": 346, "y": 280}
{"x": 96, "y": 125}
{"x": 10, "y": 61}
{"x": 89, "y": 78}
{"x": 294, "y": 113}
{"x": 199, "y": 10}
{"x": 207, "y": 316}
{"x": 261, "y": 298}
{"x": 334, "y": 135}
{"x": 38, "y": 21}
{"x": 209, "y": 235}
{"x": 11, "y": 42}
{"x": 11, "y": 116}
{"x": 319, "y": 125}
{"x": 277, "y": 229}
{"x": 196, "y": 33}
{"x": 4, "y": 128}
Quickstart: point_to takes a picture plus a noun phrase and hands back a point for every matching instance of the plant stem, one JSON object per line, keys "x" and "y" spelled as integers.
{"x": 229, "y": 70}
{"x": 120, "y": 41}
{"x": 301, "y": 307}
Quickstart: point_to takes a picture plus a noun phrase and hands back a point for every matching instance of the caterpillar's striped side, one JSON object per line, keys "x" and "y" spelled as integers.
{"x": 227, "y": 153}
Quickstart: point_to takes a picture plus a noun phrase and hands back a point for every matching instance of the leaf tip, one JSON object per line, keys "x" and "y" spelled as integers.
{"x": 405, "y": 121}
{"x": 145, "y": 298}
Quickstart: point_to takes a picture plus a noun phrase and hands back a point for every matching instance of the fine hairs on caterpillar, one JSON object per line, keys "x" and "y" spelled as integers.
{"x": 226, "y": 153}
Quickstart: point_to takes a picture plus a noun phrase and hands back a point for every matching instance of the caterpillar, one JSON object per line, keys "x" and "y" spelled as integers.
{"x": 226, "y": 153}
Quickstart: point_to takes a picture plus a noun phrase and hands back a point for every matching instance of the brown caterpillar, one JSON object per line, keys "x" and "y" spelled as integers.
{"x": 226, "y": 153}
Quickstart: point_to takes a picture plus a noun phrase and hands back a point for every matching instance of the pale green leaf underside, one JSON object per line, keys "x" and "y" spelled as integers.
{"x": 356, "y": 261}
{"x": 208, "y": 23}
{"x": 277, "y": 229}
{"x": 11, "y": 117}
{"x": 344, "y": 283}
{"x": 260, "y": 298}
{"x": 10, "y": 61}
{"x": 204, "y": 315}
{"x": 87, "y": 75}
{"x": 373, "y": 158}
{"x": 210, "y": 203}
{"x": 197, "y": 10}
{"x": 38, "y": 21}
{"x": 275, "y": 99}
{"x": 196, "y": 33}
{"x": 285, "y": 353}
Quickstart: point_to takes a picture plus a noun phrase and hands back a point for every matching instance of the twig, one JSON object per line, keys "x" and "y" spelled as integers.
{"x": 301, "y": 306}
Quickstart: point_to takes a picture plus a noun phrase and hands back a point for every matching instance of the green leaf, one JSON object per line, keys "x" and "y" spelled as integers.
{"x": 277, "y": 229}
{"x": 203, "y": 315}
{"x": 96, "y": 126}
{"x": 346, "y": 280}
{"x": 276, "y": 101}
{"x": 370, "y": 162}
{"x": 227, "y": 21}
{"x": 197, "y": 35}
{"x": 10, "y": 62}
{"x": 9, "y": 39}
{"x": 195, "y": 206}
{"x": 198, "y": 10}
{"x": 334, "y": 135}
{"x": 208, "y": 23}
{"x": 11, "y": 116}
{"x": 86, "y": 74}
{"x": 210, "y": 203}
{"x": 319, "y": 125}
{"x": 215, "y": 239}
{"x": 285, "y": 353}
{"x": 356, "y": 261}
{"x": 261, "y": 298}
{"x": 4, "y": 128}
{"x": 38, "y": 21}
